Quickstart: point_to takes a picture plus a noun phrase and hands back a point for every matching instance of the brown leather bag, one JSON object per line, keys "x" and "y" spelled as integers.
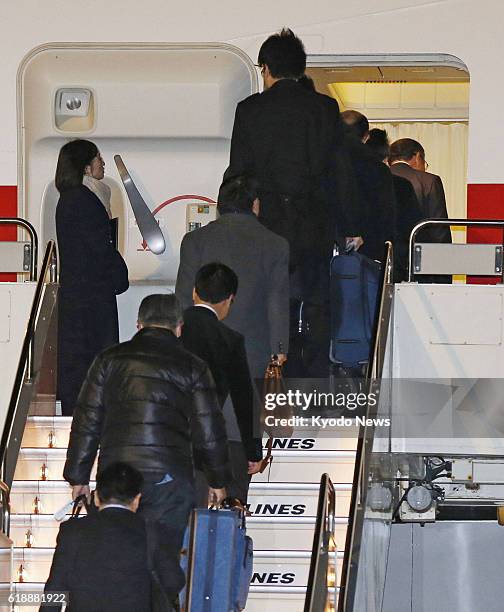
{"x": 274, "y": 384}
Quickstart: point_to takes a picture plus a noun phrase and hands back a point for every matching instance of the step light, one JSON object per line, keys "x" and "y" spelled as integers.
{"x": 22, "y": 574}
{"x": 29, "y": 538}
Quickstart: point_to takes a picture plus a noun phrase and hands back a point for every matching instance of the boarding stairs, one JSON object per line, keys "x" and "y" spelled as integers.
{"x": 289, "y": 505}
{"x": 374, "y": 557}
{"x": 283, "y": 502}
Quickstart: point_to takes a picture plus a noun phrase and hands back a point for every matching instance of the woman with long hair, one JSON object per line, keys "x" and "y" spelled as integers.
{"x": 92, "y": 271}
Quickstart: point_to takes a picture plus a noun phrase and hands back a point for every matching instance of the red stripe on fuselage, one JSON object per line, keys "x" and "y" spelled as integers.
{"x": 485, "y": 202}
{"x": 8, "y": 208}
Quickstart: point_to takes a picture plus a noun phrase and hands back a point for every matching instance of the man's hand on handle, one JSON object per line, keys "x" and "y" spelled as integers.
{"x": 354, "y": 243}
{"x": 81, "y": 490}
{"x": 254, "y": 467}
{"x": 216, "y": 496}
{"x": 282, "y": 358}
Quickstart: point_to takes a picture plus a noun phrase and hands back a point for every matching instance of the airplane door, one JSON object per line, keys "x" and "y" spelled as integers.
{"x": 167, "y": 109}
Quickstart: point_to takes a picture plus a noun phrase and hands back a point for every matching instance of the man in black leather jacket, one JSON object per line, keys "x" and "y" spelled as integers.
{"x": 152, "y": 404}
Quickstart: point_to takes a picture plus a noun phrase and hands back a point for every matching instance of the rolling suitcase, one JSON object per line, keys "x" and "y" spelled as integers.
{"x": 354, "y": 285}
{"x": 220, "y": 556}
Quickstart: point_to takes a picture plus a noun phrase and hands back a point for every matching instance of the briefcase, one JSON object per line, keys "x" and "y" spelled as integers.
{"x": 354, "y": 285}
{"x": 217, "y": 560}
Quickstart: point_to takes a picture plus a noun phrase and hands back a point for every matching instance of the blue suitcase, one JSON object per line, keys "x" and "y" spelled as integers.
{"x": 220, "y": 555}
{"x": 354, "y": 282}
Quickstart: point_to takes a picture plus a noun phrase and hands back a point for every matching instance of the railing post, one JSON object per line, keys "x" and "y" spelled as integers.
{"x": 53, "y": 270}
{"x": 25, "y": 377}
{"x": 5, "y": 497}
{"x": 33, "y": 240}
{"x": 445, "y": 222}
{"x": 365, "y": 444}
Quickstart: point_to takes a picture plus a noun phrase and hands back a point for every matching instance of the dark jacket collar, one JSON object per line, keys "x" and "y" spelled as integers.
{"x": 203, "y": 311}
{"x": 231, "y": 210}
{"x": 116, "y": 509}
{"x": 283, "y": 84}
{"x": 158, "y": 333}
{"x": 230, "y": 218}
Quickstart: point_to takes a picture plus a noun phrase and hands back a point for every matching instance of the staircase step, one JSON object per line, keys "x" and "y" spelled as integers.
{"x": 42, "y": 464}
{"x": 43, "y": 431}
{"x": 278, "y": 532}
{"x": 261, "y": 599}
{"x": 293, "y": 498}
{"x": 287, "y": 466}
{"x": 283, "y": 501}
{"x": 36, "y": 563}
{"x": 307, "y": 466}
{"x": 286, "y": 534}
{"x": 285, "y": 567}
{"x": 62, "y": 421}
{"x": 44, "y": 404}
{"x": 271, "y": 567}
{"x": 265, "y": 499}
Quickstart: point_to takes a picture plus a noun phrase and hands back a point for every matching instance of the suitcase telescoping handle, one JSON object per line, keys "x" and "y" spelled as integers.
{"x": 233, "y": 503}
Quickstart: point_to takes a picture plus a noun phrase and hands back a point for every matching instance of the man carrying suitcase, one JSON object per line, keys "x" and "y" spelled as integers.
{"x": 152, "y": 403}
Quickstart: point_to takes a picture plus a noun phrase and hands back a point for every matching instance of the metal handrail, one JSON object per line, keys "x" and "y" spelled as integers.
{"x": 441, "y": 222}
{"x": 318, "y": 587}
{"x": 24, "y": 376}
{"x": 365, "y": 442}
{"x": 6, "y": 508}
{"x": 26, "y": 225}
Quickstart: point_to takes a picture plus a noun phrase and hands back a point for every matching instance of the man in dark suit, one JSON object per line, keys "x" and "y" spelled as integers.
{"x": 375, "y": 186}
{"x": 407, "y": 213}
{"x": 106, "y": 561}
{"x": 284, "y": 137}
{"x": 407, "y": 159}
{"x": 259, "y": 258}
{"x": 223, "y": 349}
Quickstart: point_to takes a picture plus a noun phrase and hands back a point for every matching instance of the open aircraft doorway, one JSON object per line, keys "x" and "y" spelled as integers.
{"x": 424, "y": 97}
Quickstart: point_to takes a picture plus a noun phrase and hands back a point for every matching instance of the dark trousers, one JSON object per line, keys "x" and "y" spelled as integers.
{"x": 168, "y": 502}
{"x": 309, "y": 317}
{"x": 240, "y": 484}
{"x": 310, "y": 328}
{"x": 85, "y": 328}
